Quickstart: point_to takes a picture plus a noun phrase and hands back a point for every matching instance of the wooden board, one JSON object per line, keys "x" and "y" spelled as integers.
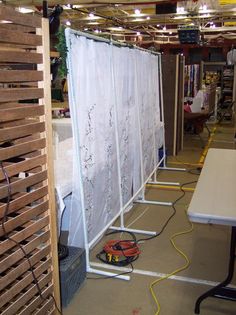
{"x": 169, "y": 94}
{"x": 27, "y": 201}
{"x": 173, "y": 73}
{"x": 180, "y": 106}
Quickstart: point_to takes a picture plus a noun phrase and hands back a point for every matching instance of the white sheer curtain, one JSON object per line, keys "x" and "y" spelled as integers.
{"x": 94, "y": 133}
{"x": 127, "y": 121}
{"x": 114, "y": 103}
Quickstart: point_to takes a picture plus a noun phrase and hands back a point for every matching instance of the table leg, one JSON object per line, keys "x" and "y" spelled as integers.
{"x": 220, "y": 290}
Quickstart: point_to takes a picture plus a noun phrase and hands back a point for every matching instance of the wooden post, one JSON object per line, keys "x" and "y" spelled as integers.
{"x": 46, "y": 101}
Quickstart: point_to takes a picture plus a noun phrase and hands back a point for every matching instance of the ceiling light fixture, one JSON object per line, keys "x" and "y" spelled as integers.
{"x": 138, "y": 33}
{"x": 91, "y": 15}
{"x": 137, "y": 11}
{"x": 164, "y": 28}
{"x": 5, "y": 21}
{"x": 180, "y": 10}
{"x": 85, "y": 29}
{"x": 25, "y": 10}
{"x": 203, "y": 8}
{"x": 96, "y": 31}
{"x": 148, "y": 17}
{"x": 68, "y": 23}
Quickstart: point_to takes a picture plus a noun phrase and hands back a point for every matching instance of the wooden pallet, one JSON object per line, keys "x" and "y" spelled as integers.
{"x": 27, "y": 201}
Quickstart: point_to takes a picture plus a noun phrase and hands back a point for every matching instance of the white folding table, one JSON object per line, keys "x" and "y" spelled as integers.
{"x": 214, "y": 201}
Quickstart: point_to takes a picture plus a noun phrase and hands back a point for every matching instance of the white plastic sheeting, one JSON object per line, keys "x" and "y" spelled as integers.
{"x": 114, "y": 103}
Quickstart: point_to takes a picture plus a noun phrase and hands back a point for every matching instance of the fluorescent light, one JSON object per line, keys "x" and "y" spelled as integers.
{"x": 203, "y": 8}
{"x": 25, "y": 10}
{"x": 180, "y": 17}
{"x": 180, "y": 10}
{"x": 137, "y": 11}
{"x": 5, "y": 22}
{"x": 68, "y": 23}
{"x": 67, "y": 7}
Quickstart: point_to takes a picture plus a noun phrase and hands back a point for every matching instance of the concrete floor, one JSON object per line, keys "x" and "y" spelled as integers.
{"x": 207, "y": 248}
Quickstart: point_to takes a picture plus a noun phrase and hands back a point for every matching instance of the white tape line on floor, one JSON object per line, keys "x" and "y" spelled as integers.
{"x": 158, "y": 275}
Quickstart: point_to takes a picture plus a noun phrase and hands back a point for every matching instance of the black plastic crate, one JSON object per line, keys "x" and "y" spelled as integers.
{"x": 72, "y": 273}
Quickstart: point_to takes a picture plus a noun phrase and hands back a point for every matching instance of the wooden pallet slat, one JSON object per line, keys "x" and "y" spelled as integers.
{"x": 23, "y": 184}
{"x": 18, "y": 254}
{"x": 15, "y": 111}
{"x": 20, "y": 28}
{"x": 25, "y": 200}
{"x": 19, "y": 286}
{"x": 21, "y": 302}
{"x": 9, "y": 14}
{"x": 36, "y": 302}
{"x": 23, "y": 267}
{"x": 47, "y": 306}
{"x": 20, "y": 76}
{"x": 21, "y": 57}
{"x": 23, "y": 235}
{"x": 27, "y": 215}
{"x": 24, "y": 166}
{"x": 16, "y": 94}
{"x": 20, "y": 149}
{"x": 11, "y": 133}
{"x": 26, "y": 154}
{"x": 16, "y": 37}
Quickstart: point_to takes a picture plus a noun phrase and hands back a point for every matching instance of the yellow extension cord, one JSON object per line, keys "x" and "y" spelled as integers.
{"x": 177, "y": 270}
{"x": 200, "y": 163}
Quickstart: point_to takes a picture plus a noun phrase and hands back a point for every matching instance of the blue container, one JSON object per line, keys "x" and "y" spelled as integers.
{"x": 72, "y": 273}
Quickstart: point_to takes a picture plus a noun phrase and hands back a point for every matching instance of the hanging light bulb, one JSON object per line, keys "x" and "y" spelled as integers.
{"x": 137, "y": 11}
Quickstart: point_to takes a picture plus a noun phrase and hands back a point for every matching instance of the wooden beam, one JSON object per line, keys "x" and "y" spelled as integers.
{"x": 7, "y": 76}
{"x": 15, "y": 37}
{"x": 20, "y": 57}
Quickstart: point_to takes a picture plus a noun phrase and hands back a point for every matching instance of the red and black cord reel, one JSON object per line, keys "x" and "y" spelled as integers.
{"x": 119, "y": 252}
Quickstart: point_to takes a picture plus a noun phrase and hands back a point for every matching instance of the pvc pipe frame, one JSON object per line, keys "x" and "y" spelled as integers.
{"x": 90, "y": 244}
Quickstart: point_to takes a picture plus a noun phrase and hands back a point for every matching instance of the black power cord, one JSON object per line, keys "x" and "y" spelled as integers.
{"x": 6, "y": 235}
{"x": 172, "y": 214}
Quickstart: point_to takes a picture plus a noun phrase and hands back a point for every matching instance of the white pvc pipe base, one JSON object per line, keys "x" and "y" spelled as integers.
{"x": 150, "y": 202}
{"x": 164, "y": 183}
{"x": 133, "y": 230}
{"x": 173, "y": 169}
{"x": 108, "y": 274}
